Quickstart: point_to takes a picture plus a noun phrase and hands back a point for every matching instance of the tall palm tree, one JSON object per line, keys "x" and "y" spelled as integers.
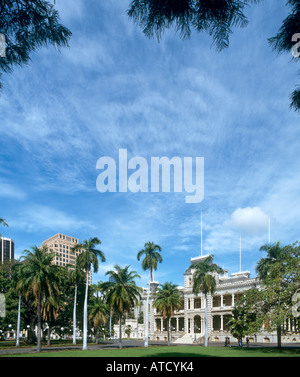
{"x": 168, "y": 299}
{"x": 3, "y": 222}
{"x": 122, "y": 293}
{"x": 275, "y": 253}
{"x": 38, "y": 275}
{"x": 150, "y": 261}
{"x": 99, "y": 312}
{"x": 87, "y": 259}
{"x": 152, "y": 257}
{"x": 265, "y": 268}
{"x": 76, "y": 276}
{"x": 204, "y": 281}
{"x": 16, "y": 277}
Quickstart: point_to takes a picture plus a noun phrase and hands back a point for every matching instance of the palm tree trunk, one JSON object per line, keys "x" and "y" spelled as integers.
{"x": 84, "y": 346}
{"x": 168, "y": 329}
{"x": 96, "y": 334}
{"x": 120, "y": 330}
{"x": 39, "y": 327}
{"x": 206, "y": 323}
{"x": 18, "y": 323}
{"x": 48, "y": 335}
{"x": 74, "y": 315}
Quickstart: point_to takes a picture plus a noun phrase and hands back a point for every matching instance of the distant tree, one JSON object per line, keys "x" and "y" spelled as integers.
{"x": 205, "y": 282}
{"x": 121, "y": 293}
{"x": 128, "y": 331}
{"x": 279, "y": 272}
{"x": 240, "y": 324}
{"x": 99, "y": 313}
{"x": 168, "y": 299}
{"x": 26, "y": 26}
{"x": 37, "y": 275}
{"x": 152, "y": 257}
{"x": 216, "y": 17}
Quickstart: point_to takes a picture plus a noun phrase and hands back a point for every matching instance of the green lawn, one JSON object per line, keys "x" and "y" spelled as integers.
{"x": 172, "y": 351}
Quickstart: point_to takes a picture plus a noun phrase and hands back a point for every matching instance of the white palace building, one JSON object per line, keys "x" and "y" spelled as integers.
{"x": 187, "y": 324}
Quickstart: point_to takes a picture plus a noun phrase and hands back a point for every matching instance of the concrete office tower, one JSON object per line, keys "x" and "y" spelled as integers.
{"x": 7, "y": 249}
{"x": 61, "y": 245}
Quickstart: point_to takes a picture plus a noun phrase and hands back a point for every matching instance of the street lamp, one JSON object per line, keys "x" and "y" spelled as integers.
{"x": 152, "y": 286}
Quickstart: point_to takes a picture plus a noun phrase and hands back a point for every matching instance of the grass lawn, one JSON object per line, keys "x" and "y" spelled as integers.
{"x": 171, "y": 351}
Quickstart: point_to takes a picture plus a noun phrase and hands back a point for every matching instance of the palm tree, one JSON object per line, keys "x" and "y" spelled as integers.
{"x": 38, "y": 275}
{"x": 204, "y": 281}
{"x": 87, "y": 259}
{"x": 16, "y": 277}
{"x": 122, "y": 293}
{"x": 167, "y": 299}
{"x": 3, "y": 222}
{"x": 265, "y": 267}
{"x": 76, "y": 276}
{"x": 98, "y": 313}
{"x": 275, "y": 253}
{"x": 152, "y": 257}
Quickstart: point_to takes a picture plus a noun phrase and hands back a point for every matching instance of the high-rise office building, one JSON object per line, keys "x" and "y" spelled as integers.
{"x": 7, "y": 249}
{"x": 61, "y": 245}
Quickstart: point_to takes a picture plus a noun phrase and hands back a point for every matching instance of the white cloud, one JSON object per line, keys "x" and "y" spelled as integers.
{"x": 249, "y": 221}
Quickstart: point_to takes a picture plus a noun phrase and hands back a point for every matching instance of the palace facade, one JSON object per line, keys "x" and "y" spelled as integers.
{"x": 188, "y": 323}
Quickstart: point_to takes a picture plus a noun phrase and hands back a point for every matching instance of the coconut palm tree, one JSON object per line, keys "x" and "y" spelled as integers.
{"x": 152, "y": 257}
{"x": 99, "y": 312}
{"x": 38, "y": 275}
{"x": 76, "y": 276}
{"x": 87, "y": 259}
{"x": 122, "y": 293}
{"x": 204, "y": 281}
{"x": 276, "y": 255}
{"x": 3, "y": 222}
{"x": 168, "y": 299}
{"x": 20, "y": 291}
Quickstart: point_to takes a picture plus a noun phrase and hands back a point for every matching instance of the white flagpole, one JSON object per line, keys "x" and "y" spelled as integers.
{"x": 201, "y": 232}
{"x": 240, "y": 254}
{"x": 269, "y": 232}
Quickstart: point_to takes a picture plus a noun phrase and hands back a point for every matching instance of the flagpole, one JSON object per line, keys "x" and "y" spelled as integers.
{"x": 240, "y": 254}
{"x": 269, "y": 232}
{"x": 201, "y": 232}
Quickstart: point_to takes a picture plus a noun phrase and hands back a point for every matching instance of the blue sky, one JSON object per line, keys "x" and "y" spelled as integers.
{"x": 114, "y": 88}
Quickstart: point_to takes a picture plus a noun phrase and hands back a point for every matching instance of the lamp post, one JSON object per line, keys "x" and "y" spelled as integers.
{"x": 152, "y": 286}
